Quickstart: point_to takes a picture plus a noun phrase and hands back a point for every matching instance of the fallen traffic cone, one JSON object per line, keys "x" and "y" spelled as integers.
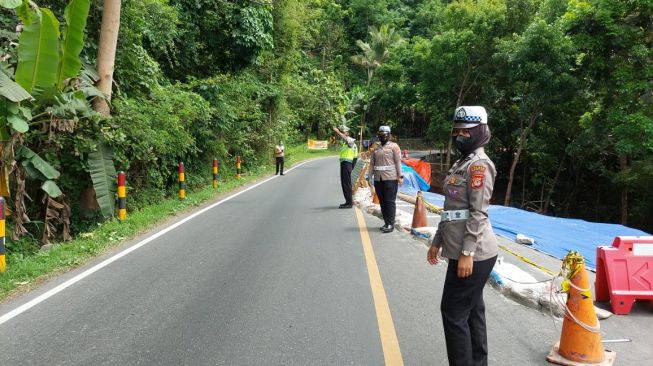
{"x": 419, "y": 214}
{"x": 580, "y": 341}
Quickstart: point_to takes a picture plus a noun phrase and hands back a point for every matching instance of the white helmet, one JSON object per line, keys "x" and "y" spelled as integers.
{"x": 384, "y": 129}
{"x": 469, "y": 116}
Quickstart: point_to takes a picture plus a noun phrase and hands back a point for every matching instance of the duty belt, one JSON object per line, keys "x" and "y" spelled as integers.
{"x": 454, "y": 215}
{"x": 384, "y": 167}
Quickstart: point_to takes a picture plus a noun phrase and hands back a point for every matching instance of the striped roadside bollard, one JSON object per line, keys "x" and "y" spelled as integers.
{"x": 215, "y": 173}
{"x": 122, "y": 197}
{"x": 3, "y": 262}
{"x": 238, "y": 167}
{"x": 182, "y": 182}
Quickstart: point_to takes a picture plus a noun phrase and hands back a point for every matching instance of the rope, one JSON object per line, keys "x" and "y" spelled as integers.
{"x": 526, "y": 283}
{"x": 432, "y": 208}
{"x": 571, "y": 265}
{"x": 543, "y": 269}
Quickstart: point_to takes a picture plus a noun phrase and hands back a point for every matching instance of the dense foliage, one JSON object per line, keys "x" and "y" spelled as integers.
{"x": 567, "y": 84}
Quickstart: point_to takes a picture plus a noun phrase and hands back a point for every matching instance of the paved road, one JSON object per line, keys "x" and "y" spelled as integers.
{"x": 274, "y": 276}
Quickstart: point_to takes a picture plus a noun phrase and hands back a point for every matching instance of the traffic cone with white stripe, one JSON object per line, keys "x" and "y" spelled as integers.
{"x": 580, "y": 341}
{"x": 419, "y": 214}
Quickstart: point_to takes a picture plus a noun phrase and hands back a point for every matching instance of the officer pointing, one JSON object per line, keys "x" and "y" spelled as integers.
{"x": 348, "y": 153}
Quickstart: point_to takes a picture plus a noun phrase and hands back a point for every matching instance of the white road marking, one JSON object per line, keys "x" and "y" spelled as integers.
{"x": 30, "y": 304}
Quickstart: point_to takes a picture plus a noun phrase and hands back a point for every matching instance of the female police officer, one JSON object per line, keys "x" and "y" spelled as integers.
{"x": 467, "y": 240}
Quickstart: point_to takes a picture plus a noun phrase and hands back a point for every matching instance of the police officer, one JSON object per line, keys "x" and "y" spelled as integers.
{"x": 467, "y": 240}
{"x": 385, "y": 168}
{"x": 348, "y": 153}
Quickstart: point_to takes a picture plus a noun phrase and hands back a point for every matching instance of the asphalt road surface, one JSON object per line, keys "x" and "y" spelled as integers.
{"x": 276, "y": 275}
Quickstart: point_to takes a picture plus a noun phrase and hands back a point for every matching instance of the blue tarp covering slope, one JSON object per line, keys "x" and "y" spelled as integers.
{"x": 413, "y": 179}
{"x": 553, "y": 235}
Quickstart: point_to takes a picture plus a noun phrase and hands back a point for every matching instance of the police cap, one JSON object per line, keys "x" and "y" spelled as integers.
{"x": 469, "y": 116}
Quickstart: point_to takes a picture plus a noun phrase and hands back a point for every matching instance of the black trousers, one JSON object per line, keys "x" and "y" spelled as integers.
{"x": 279, "y": 165}
{"x": 386, "y": 190}
{"x": 345, "y": 180}
{"x": 463, "y": 314}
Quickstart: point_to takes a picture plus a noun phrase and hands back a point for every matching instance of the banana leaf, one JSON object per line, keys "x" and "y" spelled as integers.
{"x": 38, "y": 52}
{"x": 75, "y": 14}
{"x": 51, "y": 188}
{"x": 12, "y": 90}
{"x": 17, "y": 123}
{"x": 103, "y": 174}
{"x": 34, "y": 165}
{"x": 11, "y": 4}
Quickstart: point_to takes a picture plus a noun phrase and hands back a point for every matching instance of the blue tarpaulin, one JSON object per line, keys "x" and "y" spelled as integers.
{"x": 412, "y": 179}
{"x": 553, "y": 235}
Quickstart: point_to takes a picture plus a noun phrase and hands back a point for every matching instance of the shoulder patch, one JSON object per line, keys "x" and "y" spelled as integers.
{"x": 477, "y": 169}
{"x": 478, "y": 176}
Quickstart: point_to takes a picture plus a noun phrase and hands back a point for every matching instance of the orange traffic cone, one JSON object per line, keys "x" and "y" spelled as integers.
{"x": 419, "y": 214}
{"x": 580, "y": 341}
{"x": 375, "y": 198}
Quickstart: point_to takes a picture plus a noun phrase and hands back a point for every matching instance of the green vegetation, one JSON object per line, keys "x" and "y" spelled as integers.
{"x": 567, "y": 84}
{"x": 30, "y": 265}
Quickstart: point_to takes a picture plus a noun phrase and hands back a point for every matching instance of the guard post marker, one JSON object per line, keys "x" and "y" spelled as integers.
{"x": 182, "y": 181}
{"x": 122, "y": 197}
{"x": 3, "y": 262}
{"x": 238, "y": 167}
{"x": 215, "y": 173}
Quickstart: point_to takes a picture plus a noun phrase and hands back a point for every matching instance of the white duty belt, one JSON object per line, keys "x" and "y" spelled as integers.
{"x": 384, "y": 168}
{"x": 454, "y": 215}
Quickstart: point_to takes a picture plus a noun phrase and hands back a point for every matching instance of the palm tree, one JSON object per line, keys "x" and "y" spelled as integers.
{"x": 375, "y": 53}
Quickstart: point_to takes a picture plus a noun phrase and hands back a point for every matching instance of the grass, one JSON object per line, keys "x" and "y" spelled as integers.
{"x": 27, "y": 271}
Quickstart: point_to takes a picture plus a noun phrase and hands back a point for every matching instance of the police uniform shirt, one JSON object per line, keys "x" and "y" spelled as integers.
{"x": 468, "y": 186}
{"x": 387, "y": 156}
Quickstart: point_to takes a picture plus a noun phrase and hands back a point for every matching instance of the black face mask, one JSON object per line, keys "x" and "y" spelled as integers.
{"x": 463, "y": 144}
{"x": 383, "y": 137}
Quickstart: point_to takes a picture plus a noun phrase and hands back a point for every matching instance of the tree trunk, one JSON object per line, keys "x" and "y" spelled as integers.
{"x": 623, "y": 165}
{"x": 449, "y": 152}
{"x": 361, "y": 132}
{"x": 547, "y": 201}
{"x": 513, "y": 166}
{"x": 107, "y": 53}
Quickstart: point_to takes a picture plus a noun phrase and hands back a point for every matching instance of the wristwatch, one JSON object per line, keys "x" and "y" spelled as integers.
{"x": 467, "y": 253}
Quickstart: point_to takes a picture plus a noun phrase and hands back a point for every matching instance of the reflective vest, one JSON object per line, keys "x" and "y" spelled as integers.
{"x": 348, "y": 153}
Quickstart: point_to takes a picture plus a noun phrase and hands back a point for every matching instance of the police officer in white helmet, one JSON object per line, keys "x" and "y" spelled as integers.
{"x": 385, "y": 168}
{"x": 467, "y": 240}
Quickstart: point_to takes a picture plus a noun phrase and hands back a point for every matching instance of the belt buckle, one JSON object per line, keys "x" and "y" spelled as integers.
{"x": 445, "y": 216}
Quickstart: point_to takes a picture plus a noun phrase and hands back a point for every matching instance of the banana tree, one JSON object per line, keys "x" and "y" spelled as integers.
{"x": 48, "y": 60}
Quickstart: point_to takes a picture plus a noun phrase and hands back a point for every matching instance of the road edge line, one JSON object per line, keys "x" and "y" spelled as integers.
{"x": 46, "y": 295}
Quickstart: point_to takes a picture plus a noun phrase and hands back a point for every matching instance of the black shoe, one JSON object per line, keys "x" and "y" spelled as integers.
{"x": 345, "y": 205}
{"x": 388, "y": 229}
{"x": 281, "y": 174}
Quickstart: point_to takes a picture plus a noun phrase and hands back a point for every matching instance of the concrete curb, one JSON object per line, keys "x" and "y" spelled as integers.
{"x": 512, "y": 282}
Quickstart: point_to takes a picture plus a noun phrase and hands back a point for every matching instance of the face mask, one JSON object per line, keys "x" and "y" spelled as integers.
{"x": 463, "y": 144}
{"x": 384, "y": 137}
